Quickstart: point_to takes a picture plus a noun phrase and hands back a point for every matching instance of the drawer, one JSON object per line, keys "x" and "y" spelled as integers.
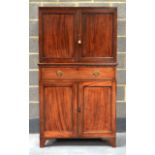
{"x": 77, "y": 73}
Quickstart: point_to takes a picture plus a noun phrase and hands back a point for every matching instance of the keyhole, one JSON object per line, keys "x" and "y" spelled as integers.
{"x": 79, "y": 109}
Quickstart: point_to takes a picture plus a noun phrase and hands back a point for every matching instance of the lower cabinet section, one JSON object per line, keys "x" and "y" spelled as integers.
{"x": 75, "y": 109}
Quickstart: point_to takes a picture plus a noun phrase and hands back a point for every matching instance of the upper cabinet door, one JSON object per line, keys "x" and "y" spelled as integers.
{"x": 57, "y": 34}
{"x": 98, "y": 35}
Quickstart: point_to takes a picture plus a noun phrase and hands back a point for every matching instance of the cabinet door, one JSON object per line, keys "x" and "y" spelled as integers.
{"x": 97, "y": 104}
{"x": 58, "y": 109}
{"x": 57, "y": 34}
{"x": 98, "y": 35}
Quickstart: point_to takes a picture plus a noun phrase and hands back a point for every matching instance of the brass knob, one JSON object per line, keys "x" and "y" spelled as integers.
{"x": 59, "y": 73}
{"x": 96, "y": 73}
{"x": 79, "y": 42}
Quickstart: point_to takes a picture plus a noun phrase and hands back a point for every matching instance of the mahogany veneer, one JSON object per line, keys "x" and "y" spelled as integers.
{"x": 77, "y": 72}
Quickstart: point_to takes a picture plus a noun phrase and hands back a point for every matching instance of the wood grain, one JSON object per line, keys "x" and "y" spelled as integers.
{"x": 97, "y": 35}
{"x": 58, "y": 108}
{"x": 58, "y": 36}
{"x": 97, "y": 109}
{"x": 60, "y": 30}
{"x": 96, "y": 104}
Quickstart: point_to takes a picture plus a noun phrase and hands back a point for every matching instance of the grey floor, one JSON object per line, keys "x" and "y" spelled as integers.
{"x": 77, "y": 147}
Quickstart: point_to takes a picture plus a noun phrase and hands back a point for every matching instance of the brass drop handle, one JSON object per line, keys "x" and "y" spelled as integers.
{"x": 96, "y": 73}
{"x": 59, "y": 73}
{"x": 79, "y": 42}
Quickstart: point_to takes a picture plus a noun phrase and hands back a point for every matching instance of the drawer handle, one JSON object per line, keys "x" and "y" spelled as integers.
{"x": 96, "y": 73}
{"x": 59, "y": 73}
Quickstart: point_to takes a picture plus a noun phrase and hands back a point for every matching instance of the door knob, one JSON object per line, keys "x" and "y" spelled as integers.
{"x": 79, "y": 41}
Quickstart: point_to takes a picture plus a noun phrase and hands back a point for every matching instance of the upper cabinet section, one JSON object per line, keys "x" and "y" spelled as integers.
{"x": 80, "y": 35}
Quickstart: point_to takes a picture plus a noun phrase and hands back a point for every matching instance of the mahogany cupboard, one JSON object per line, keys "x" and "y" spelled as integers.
{"x": 77, "y": 72}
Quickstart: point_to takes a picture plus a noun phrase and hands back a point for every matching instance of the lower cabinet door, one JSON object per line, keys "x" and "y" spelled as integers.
{"x": 58, "y": 109}
{"x": 97, "y": 108}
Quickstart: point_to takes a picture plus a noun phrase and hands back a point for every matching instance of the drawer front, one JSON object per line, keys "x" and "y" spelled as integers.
{"x": 77, "y": 73}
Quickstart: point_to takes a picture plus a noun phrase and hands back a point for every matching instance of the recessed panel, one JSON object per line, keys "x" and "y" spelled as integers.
{"x": 97, "y": 109}
{"x": 58, "y": 35}
{"x": 97, "y": 35}
{"x": 58, "y": 108}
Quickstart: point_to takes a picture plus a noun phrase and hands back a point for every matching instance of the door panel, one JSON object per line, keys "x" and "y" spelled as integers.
{"x": 57, "y": 36}
{"x": 97, "y": 107}
{"x": 98, "y": 36}
{"x": 60, "y": 109}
